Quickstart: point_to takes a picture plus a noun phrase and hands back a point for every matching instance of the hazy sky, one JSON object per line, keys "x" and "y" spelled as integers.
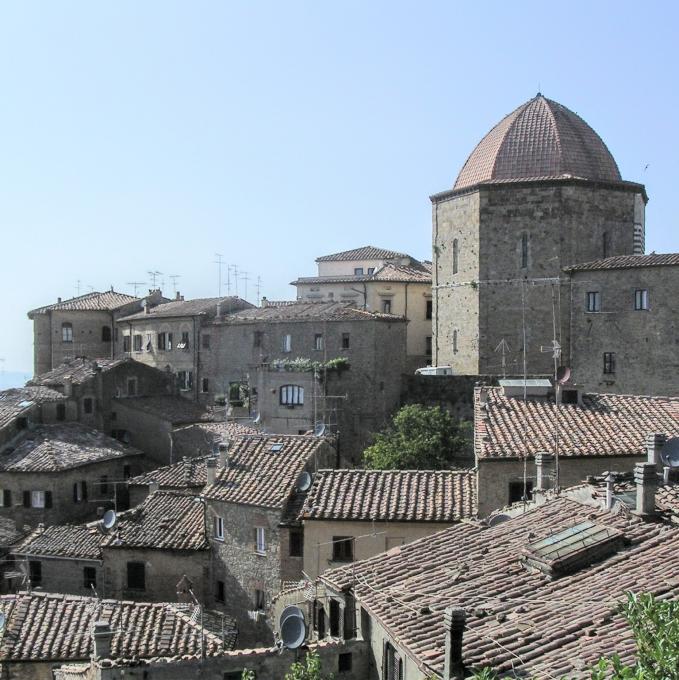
{"x": 139, "y": 136}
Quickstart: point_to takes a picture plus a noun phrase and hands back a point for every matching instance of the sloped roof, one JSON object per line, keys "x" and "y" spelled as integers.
{"x": 258, "y": 474}
{"x": 94, "y": 301}
{"x": 392, "y": 495}
{"x": 188, "y": 473}
{"x": 305, "y": 311}
{"x": 79, "y": 541}
{"x": 55, "y": 627}
{"x": 53, "y": 448}
{"x": 172, "y": 408}
{"x": 16, "y": 400}
{"x": 629, "y": 262}
{"x": 518, "y": 620}
{"x": 605, "y": 424}
{"x": 415, "y": 272}
{"x": 541, "y": 139}
{"x": 195, "y": 307}
{"x": 363, "y": 253}
{"x": 77, "y": 371}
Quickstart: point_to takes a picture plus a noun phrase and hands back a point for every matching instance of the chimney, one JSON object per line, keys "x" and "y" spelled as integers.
{"x": 178, "y": 296}
{"x": 223, "y": 454}
{"x": 153, "y": 487}
{"x": 68, "y": 387}
{"x": 453, "y": 621}
{"x": 646, "y": 479}
{"x": 102, "y": 636}
{"x": 544, "y": 462}
{"x": 265, "y": 302}
{"x": 211, "y": 471}
{"x": 58, "y": 300}
{"x": 610, "y": 481}
{"x": 654, "y": 445}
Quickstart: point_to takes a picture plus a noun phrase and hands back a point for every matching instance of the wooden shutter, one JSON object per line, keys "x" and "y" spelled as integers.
{"x": 48, "y": 499}
{"x": 7, "y": 498}
{"x": 84, "y": 491}
{"x": 27, "y": 499}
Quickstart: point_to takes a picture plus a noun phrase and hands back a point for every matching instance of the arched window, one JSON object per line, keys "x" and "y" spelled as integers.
{"x": 605, "y": 245}
{"x": 524, "y": 251}
{"x": 291, "y": 395}
{"x": 456, "y": 255}
{"x": 106, "y": 334}
{"x": 67, "y": 332}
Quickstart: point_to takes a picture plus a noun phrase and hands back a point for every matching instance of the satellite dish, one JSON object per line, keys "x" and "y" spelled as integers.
{"x": 292, "y": 627}
{"x": 670, "y": 453}
{"x": 304, "y": 481}
{"x": 563, "y": 375}
{"x": 108, "y": 521}
{"x": 319, "y": 429}
{"x": 497, "y": 519}
{"x": 258, "y": 419}
{"x": 3, "y": 620}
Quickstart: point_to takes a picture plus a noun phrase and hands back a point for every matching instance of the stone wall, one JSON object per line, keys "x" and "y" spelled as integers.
{"x": 64, "y": 575}
{"x": 147, "y": 432}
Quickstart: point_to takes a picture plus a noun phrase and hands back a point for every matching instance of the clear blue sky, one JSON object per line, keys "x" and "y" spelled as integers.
{"x": 140, "y": 136}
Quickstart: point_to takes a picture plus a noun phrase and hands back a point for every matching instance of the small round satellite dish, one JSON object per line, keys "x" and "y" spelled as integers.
{"x": 258, "y": 419}
{"x": 497, "y": 519}
{"x": 670, "y": 453}
{"x": 3, "y": 620}
{"x": 319, "y": 429}
{"x": 292, "y": 627}
{"x": 563, "y": 375}
{"x": 304, "y": 481}
{"x": 108, "y": 521}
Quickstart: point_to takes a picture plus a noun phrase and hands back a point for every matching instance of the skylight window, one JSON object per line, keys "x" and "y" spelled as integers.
{"x": 275, "y": 448}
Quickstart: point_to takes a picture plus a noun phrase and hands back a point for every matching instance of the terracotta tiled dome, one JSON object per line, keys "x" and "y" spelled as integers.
{"x": 539, "y": 140}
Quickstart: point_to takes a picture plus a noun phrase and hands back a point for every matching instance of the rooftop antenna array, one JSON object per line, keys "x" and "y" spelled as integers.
{"x": 259, "y": 290}
{"x": 245, "y": 278}
{"x": 154, "y": 277}
{"x": 234, "y": 268}
{"x": 173, "y": 278}
{"x": 136, "y": 285}
{"x": 504, "y": 348}
{"x": 220, "y": 263}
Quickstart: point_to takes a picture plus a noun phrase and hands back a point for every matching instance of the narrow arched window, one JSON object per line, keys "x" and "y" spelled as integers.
{"x": 456, "y": 255}
{"x": 605, "y": 245}
{"x": 524, "y": 251}
{"x": 106, "y": 334}
{"x": 67, "y": 332}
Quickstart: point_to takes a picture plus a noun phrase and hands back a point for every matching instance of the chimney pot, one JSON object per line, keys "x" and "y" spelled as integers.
{"x": 153, "y": 487}
{"x": 265, "y": 302}
{"x": 223, "y": 454}
{"x": 454, "y": 621}
{"x": 211, "y": 471}
{"x": 610, "y": 481}
{"x": 102, "y": 635}
{"x": 544, "y": 462}
{"x": 654, "y": 446}
{"x": 178, "y": 296}
{"x": 646, "y": 479}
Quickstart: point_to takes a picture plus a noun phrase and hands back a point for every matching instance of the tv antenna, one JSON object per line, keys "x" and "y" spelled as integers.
{"x": 77, "y": 287}
{"x": 154, "y": 277}
{"x": 504, "y": 348}
{"x": 234, "y": 267}
{"x": 173, "y": 278}
{"x": 220, "y": 263}
{"x": 136, "y": 285}
{"x": 259, "y": 288}
{"x": 245, "y": 278}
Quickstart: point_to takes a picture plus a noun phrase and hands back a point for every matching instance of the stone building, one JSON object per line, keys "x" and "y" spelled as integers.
{"x": 378, "y": 280}
{"x": 592, "y": 433}
{"x": 58, "y": 473}
{"x": 175, "y": 336}
{"x": 143, "y": 557}
{"x": 350, "y": 515}
{"x": 81, "y": 326}
{"x": 540, "y": 192}
{"x": 253, "y": 499}
{"x": 624, "y": 324}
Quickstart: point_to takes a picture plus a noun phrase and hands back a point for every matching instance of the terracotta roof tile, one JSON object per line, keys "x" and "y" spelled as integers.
{"x": 176, "y": 308}
{"x": 392, "y": 495}
{"x": 77, "y": 371}
{"x": 79, "y": 541}
{"x": 304, "y": 311}
{"x": 629, "y": 262}
{"x": 417, "y": 272}
{"x": 94, "y": 301}
{"x": 188, "y": 473}
{"x": 17, "y": 400}
{"x": 363, "y": 253}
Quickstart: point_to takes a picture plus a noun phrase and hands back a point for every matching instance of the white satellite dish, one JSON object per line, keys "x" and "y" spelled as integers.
{"x": 258, "y": 419}
{"x": 108, "y": 521}
{"x": 497, "y": 519}
{"x": 319, "y": 429}
{"x": 670, "y": 453}
{"x": 3, "y": 620}
{"x": 292, "y": 627}
{"x": 304, "y": 481}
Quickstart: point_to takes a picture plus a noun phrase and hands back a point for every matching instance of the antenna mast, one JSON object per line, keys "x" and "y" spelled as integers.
{"x": 154, "y": 277}
{"x": 220, "y": 263}
{"x": 136, "y": 285}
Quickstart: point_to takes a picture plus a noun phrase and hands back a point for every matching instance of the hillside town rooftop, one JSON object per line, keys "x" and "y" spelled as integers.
{"x": 196, "y": 307}
{"x": 107, "y": 302}
{"x": 628, "y": 262}
{"x": 304, "y": 311}
{"x": 77, "y": 371}
{"x": 16, "y": 400}
{"x": 362, "y": 253}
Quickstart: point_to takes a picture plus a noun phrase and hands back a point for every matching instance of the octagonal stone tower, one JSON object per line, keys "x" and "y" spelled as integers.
{"x": 541, "y": 191}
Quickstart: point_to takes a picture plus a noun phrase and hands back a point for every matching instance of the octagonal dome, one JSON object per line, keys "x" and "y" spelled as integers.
{"x": 540, "y": 140}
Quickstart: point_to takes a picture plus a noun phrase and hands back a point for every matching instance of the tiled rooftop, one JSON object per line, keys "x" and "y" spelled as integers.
{"x": 605, "y": 424}
{"x": 260, "y": 473}
{"x": 541, "y": 139}
{"x": 77, "y": 371}
{"x": 363, "y": 253}
{"x": 77, "y": 541}
{"x": 53, "y": 627}
{"x": 519, "y": 621}
{"x": 16, "y": 400}
{"x": 415, "y": 272}
{"x": 629, "y": 262}
{"x": 172, "y": 408}
{"x": 94, "y": 301}
{"x": 188, "y": 473}
{"x": 52, "y": 448}
{"x": 178, "y": 308}
{"x": 392, "y": 495}
{"x": 305, "y": 311}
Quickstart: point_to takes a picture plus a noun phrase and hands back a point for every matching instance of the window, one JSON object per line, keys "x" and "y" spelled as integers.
{"x": 185, "y": 380}
{"x": 205, "y": 341}
{"x": 346, "y": 340}
{"x": 127, "y": 471}
{"x": 609, "y": 362}
{"x": 136, "y": 576}
{"x": 131, "y": 387}
{"x": 205, "y": 385}
{"x": 61, "y": 412}
{"x": 219, "y": 591}
{"x": 169, "y": 341}
{"x": 35, "y": 572}
{"x": 6, "y": 498}
{"x": 149, "y": 342}
{"x": 593, "y": 301}
{"x": 429, "y": 313}
{"x": 318, "y": 341}
{"x": 320, "y": 620}
{"x": 427, "y": 345}
{"x": 184, "y": 343}
{"x": 89, "y": 577}
{"x": 386, "y": 306}
{"x": 344, "y": 662}
{"x": 161, "y": 342}
{"x": 342, "y": 548}
{"x": 79, "y": 492}
{"x": 103, "y": 485}
{"x": 456, "y": 255}
{"x": 259, "y": 600}
{"x": 516, "y": 491}
{"x": 218, "y": 524}
{"x": 136, "y": 342}
{"x": 640, "y": 300}
{"x": 287, "y": 343}
{"x": 371, "y": 271}
{"x": 455, "y": 340}
{"x": 126, "y": 343}
{"x": 88, "y": 405}
{"x": 260, "y": 542}
{"x": 358, "y": 271}
{"x": 37, "y": 499}
{"x": 296, "y": 543}
{"x": 392, "y": 665}
{"x": 258, "y": 338}
{"x": 67, "y": 332}
{"x": 106, "y": 334}
{"x": 524, "y": 251}
{"x": 291, "y": 395}
{"x": 334, "y": 619}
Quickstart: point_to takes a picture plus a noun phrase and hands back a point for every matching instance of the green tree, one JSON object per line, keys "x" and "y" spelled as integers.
{"x": 309, "y": 669}
{"x": 420, "y": 437}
